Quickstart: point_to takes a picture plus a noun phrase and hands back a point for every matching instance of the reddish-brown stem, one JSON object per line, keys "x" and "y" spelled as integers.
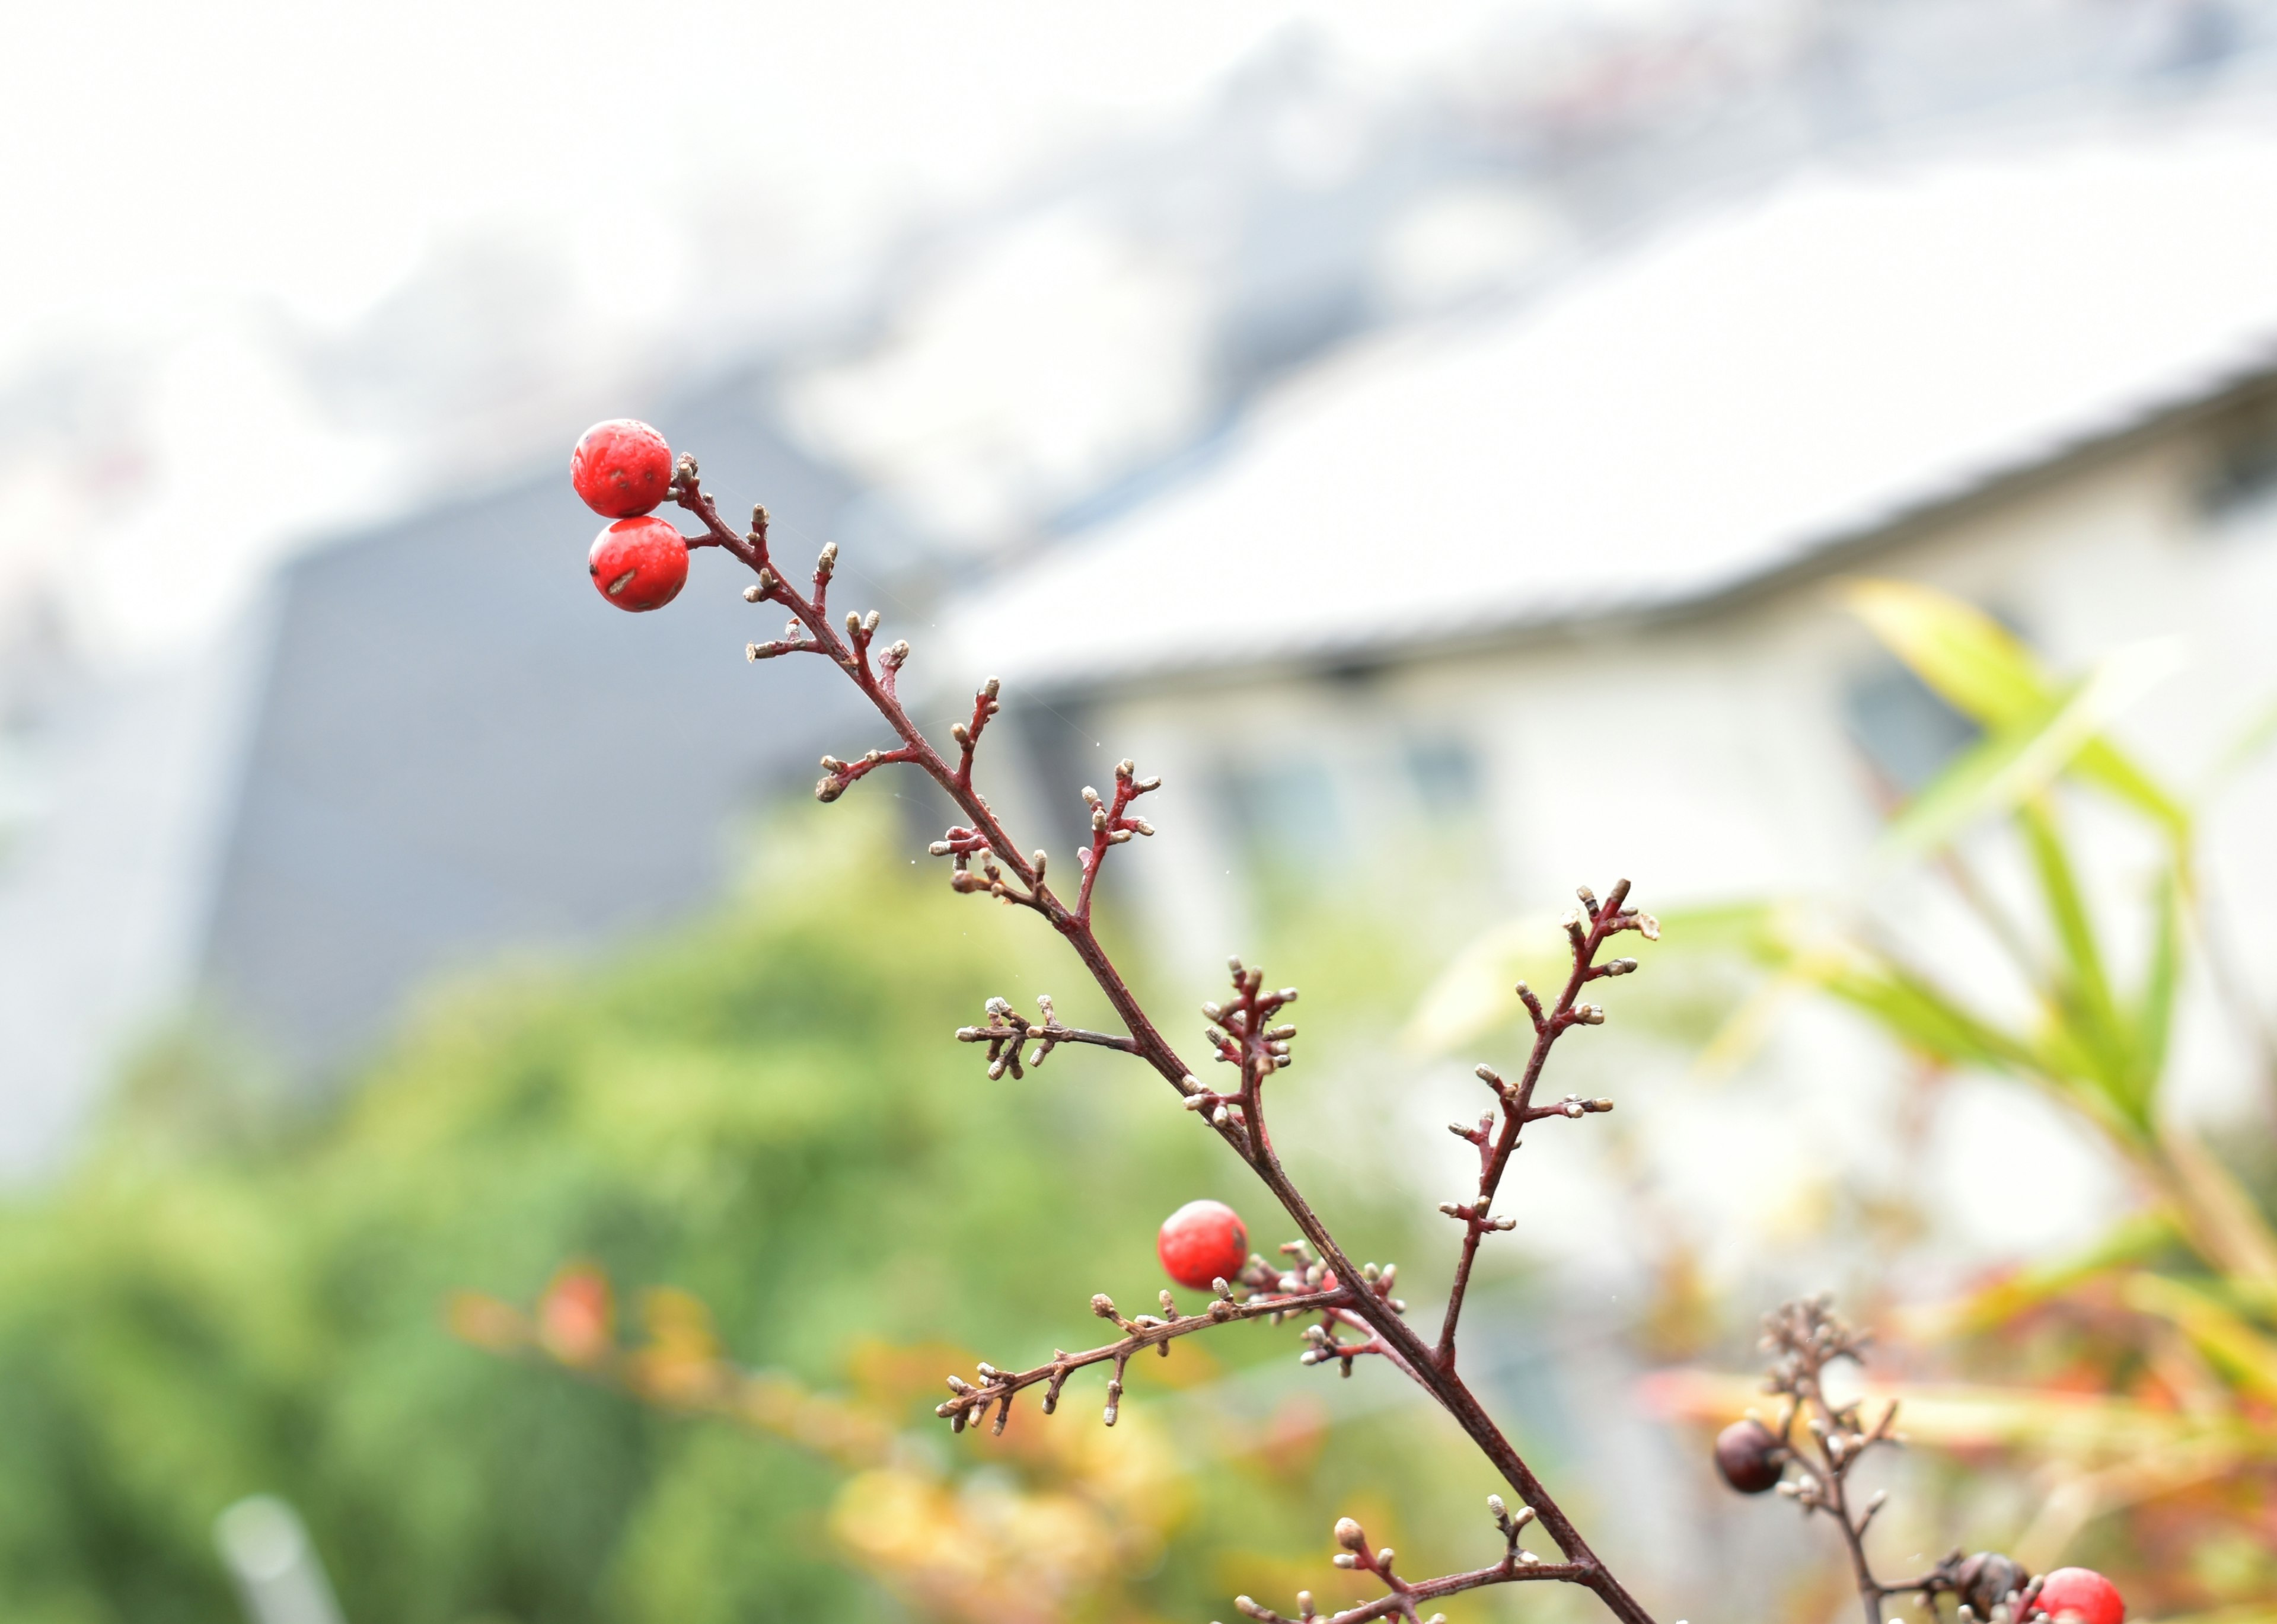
{"x": 1808, "y": 1338}
{"x": 967, "y": 734}
{"x": 1517, "y": 1566}
{"x": 1605, "y": 920}
{"x": 1147, "y": 1331}
{"x": 1110, "y": 826}
{"x": 1400, "y": 1340}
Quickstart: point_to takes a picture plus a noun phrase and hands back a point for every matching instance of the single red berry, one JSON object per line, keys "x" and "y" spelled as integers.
{"x": 1203, "y": 1241}
{"x": 621, "y": 468}
{"x": 2083, "y": 1594}
{"x": 575, "y": 1315}
{"x": 1750, "y": 1456}
{"x": 639, "y": 563}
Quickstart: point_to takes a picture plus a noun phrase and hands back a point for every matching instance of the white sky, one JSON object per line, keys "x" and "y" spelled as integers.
{"x": 314, "y": 152}
{"x": 178, "y": 178}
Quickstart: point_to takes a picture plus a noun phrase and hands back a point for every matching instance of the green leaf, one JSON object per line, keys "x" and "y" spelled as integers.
{"x": 2025, "y": 755}
{"x": 1915, "y": 1013}
{"x": 2133, "y": 1240}
{"x": 1973, "y": 663}
{"x": 2244, "y": 1354}
{"x": 1982, "y": 669}
{"x": 2154, "y": 1009}
{"x": 2101, "y": 763}
{"x": 2083, "y": 989}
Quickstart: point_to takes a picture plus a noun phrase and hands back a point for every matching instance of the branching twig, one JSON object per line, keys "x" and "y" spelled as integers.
{"x": 1110, "y": 826}
{"x": 1261, "y": 1292}
{"x": 1017, "y": 879}
{"x": 996, "y": 1388}
{"x": 1605, "y": 920}
{"x": 1007, "y": 1030}
{"x": 1804, "y": 1339}
{"x": 1518, "y": 1566}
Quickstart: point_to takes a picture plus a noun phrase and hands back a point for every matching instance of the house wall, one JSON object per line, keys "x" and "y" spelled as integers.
{"x": 1715, "y": 756}
{"x": 1712, "y": 755}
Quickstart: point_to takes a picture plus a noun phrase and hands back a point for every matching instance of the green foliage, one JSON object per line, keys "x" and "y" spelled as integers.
{"x": 2196, "y": 1265}
{"x": 765, "y": 1111}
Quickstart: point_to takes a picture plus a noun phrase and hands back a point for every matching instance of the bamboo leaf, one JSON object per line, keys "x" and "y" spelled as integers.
{"x": 1984, "y": 671}
{"x": 1918, "y": 1014}
{"x": 2133, "y": 1240}
{"x": 2225, "y": 1225}
{"x": 2154, "y": 1009}
{"x": 2092, "y": 1030}
{"x": 2026, "y": 753}
{"x": 2079, "y": 1427}
{"x": 2244, "y": 1354}
{"x": 2101, "y": 763}
{"x": 1973, "y": 662}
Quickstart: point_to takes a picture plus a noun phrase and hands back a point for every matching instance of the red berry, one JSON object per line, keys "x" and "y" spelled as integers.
{"x": 639, "y": 563}
{"x": 575, "y": 1316}
{"x": 1203, "y": 1241}
{"x": 621, "y": 467}
{"x": 2080, "y": 1593}
{"x": 1750, "y": 1456}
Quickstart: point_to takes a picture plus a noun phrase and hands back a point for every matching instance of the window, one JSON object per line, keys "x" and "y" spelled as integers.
{"x": 1285, "y": 814}
{"x": 2239, "y": 489}
{"x": 1444, "y": 775}
{"x": 1906, "y": 731}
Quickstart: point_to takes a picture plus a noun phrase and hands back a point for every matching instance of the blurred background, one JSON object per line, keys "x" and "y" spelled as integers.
{"x": 473, "y": 1126}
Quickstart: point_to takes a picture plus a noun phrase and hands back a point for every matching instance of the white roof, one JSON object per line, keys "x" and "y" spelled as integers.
{"x": 1676, "y": 421}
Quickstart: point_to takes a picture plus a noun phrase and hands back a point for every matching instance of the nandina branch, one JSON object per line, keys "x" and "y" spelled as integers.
{"x": 1110, "y": 826}
{"x": 1007, "y": 1032}
{"x": 1518, "y": 1566}
{"x": 967, "y": 734}
{"x": 1239, "y": 1036}
{"x": 1017, "y": 879}
{"x": 1607, "y": 920}
{"x": 1402, "y": 1603}
{"x": 1806, "y": 1337}
{"x": 997, "y": 1388}
{"x": 843, "y": 776}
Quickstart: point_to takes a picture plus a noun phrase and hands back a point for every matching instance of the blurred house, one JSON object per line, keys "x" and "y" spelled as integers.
{"x": 421, "y": 749}
{"x": 1549, "y": 587}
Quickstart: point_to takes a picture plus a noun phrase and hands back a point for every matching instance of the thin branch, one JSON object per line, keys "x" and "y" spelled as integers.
{"x": 967, "y": 734}
{"x": 996, "y": 1387}
{"x": 1110, "y": 826}
{"x": 1016, "y": 878}
{"x": 1807, "y": 1338}
{"x": 1007, "y": 1031}
{"x": 1517, "y": 1566}
{"x": 1605, "y": 920}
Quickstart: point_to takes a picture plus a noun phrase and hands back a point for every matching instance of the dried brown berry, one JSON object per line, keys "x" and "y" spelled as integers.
{"x": 1988, "y": 1579}
{"x": 1750, "y": 1456}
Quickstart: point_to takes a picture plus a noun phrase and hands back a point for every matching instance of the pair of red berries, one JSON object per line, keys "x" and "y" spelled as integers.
{"x": 623, "y": 469}
{"x": 1753, "y": 1459}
